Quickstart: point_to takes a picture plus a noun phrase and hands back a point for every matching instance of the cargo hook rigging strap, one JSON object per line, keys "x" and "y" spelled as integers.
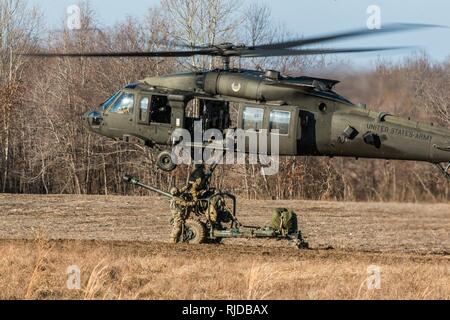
{"x": 445, "y": 170}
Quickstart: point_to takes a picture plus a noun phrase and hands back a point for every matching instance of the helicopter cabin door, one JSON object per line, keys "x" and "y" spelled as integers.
{"x": 306, "y": 133}
{"x": 252, "y": 122}
{"x": 281, "y": 129}
{"x": 154, "y": 117}
{"x": 270, "y": 121}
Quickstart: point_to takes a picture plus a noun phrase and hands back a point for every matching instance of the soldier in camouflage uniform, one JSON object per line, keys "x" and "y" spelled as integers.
{"x": 197, "y": 184}
{"x": 177, "y": 216}
{"x": 186, "y": 199}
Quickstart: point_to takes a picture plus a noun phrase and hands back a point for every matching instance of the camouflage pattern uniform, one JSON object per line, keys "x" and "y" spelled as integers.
{"x": 196, "y": 186}
{"x": 219, "y": 212}
{"x": 180, "y": 207}
{"x": 177, "y": 217}
{"x": 198, "y": 182}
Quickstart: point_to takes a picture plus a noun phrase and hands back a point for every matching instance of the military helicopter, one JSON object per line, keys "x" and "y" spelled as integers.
{"x": 306, "y": 113}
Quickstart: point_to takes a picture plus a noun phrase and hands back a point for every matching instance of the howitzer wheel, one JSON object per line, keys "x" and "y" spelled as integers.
{"x": 194, "y": 232}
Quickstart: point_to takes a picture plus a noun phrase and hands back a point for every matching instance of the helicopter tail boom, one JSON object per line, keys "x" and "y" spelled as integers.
{"x": 366, "y": 134}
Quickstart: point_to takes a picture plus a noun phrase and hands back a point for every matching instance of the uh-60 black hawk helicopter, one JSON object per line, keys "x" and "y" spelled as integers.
{"x": 308, "y": 117}
{"x": 311, "y": 119}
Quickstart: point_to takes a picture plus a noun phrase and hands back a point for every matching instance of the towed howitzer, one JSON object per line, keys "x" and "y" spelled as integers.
{"x": 198, "y": 227}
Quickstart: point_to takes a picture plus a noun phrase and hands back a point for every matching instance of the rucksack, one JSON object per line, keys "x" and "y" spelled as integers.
{"x": 284, "y": 221}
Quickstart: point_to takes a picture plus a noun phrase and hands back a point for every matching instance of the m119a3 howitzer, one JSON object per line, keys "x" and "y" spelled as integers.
{"x": 212, "y": 217}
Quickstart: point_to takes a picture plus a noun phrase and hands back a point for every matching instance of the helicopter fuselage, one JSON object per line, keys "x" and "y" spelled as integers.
{"x": 308, "y": 116}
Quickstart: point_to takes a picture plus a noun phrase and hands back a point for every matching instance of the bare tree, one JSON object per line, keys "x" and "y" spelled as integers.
{"x": 19, "y": 29}
{"x": 259, "y": 25}
{"x": 202, "y": 22}
{"x": 44, "y": 147}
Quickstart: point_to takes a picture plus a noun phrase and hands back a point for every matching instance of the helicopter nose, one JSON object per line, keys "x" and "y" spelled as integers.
{"x": 92, "y": 120}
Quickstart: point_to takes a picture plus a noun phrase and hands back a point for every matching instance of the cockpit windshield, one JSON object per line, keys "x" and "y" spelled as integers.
{"x": 108, "y": 102}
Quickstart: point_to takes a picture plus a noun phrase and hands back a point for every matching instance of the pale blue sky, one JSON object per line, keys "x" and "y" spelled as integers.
{"x": 307, "y": 17}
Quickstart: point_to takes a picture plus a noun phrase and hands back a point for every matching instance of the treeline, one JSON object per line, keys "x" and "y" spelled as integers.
{"x": 44, "y": 147}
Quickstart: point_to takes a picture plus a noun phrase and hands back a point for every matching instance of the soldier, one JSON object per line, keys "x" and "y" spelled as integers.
{"x": 187, "y": 197}
{"x": 177, "y": 216}
{"x": 198, "y": 182}
{"x": 219, "y": 212}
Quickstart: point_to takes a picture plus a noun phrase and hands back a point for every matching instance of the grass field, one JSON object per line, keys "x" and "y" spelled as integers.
{"x": 120, "y": 246}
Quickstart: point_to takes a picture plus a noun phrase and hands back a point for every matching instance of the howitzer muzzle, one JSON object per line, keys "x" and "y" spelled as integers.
{"x": 131, "y": 180}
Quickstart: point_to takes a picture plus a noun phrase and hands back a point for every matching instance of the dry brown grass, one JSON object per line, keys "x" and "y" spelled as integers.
{"x": 120, "y": 270}
{"x": 409, "y": 242}
{"x": 401, "y": 227}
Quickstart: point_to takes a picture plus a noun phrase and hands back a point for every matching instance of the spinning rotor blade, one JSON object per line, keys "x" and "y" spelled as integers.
{"x": 389, "y": 28}
{"x": 245, "y": 53}
{"x": 124, "y": 54}
{"x": 266, "y": 50}
{"x": 307, "y": 52}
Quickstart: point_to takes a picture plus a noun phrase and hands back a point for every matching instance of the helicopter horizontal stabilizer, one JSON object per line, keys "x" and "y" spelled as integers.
{"x": 444, "y": 148}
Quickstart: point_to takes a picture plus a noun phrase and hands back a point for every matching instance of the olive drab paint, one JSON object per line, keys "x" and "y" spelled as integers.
{"x": 307, "y": 114}
{"x": 319, "y": 122}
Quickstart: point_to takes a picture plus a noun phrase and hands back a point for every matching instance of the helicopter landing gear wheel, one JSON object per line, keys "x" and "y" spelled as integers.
{"x": 194, "y": 232}
{"x": 165, "y": 162}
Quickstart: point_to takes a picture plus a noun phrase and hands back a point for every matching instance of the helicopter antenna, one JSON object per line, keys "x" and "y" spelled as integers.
{"x": 226, "y": 63}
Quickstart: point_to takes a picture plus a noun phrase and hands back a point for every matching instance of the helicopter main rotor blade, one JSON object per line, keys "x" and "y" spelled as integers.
{"x": 389, "y": 28}
{"x": 245, "y": 53}
{"x": 124, "y": 54}
{"x": 266, "y": 50}
{"x": 307, "y": 52}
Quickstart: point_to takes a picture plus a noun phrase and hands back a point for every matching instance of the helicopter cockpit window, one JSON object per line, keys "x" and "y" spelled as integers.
{"x": 160, "y": 110}
{"x": 143, "y": 109}
{"x": 252, "y": 118}
{"x": 124, "y": 105}
{"x": 110, "y": 100}
{"x": 279, "y": 120}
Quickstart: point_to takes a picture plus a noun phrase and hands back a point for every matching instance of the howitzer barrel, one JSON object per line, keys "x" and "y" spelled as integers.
{"x": 135, "y": 182}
